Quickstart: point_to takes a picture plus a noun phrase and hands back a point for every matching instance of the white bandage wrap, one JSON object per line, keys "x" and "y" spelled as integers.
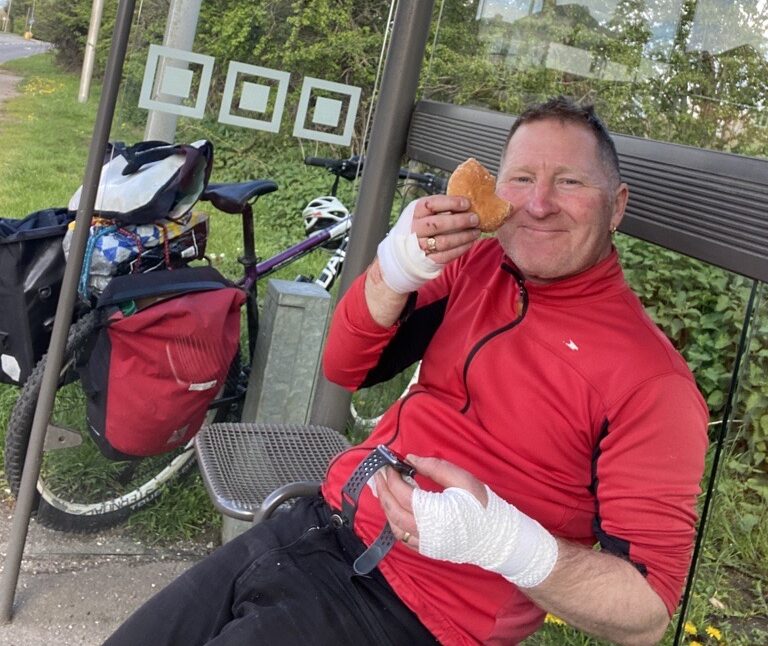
{"x": 454, "y": 526}
{"x": 404, "y": 265}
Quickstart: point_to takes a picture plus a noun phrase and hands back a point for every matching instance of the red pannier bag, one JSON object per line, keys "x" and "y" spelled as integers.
{"x": 161, "y": 357}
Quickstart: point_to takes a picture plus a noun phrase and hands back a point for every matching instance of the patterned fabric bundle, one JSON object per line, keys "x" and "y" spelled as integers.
{"x": 113, "y": 250}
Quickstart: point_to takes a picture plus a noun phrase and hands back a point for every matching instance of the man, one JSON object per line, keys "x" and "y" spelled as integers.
{"x": 550, "y": 415}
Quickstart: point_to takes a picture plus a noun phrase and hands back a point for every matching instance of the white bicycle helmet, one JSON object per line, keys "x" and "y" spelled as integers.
{"x": 323, "y": 212}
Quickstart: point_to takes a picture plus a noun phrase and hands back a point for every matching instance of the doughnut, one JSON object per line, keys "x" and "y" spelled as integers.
{"x": 471, "y": 179}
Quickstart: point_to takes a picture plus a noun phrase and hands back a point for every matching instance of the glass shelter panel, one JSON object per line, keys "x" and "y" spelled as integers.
{"x": 686, "y": 71}
{"x": 690, "y": 72}
{"x": 269, "y": 85}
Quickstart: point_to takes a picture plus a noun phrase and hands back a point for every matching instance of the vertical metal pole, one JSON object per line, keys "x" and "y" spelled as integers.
{"x": 64, "y": 309}
{"x": 97, "y": 9}
{"x": 377, "y": 187}
{"x": 180, "y": 32}
{"x": 8, "y": 16}
{"x": 714, "y": 472}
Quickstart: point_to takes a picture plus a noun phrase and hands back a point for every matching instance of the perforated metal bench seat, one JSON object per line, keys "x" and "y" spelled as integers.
{"x": 242, "y": 464}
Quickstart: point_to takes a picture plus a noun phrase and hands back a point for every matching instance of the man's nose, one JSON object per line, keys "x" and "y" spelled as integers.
{"x": 541, "y": 199}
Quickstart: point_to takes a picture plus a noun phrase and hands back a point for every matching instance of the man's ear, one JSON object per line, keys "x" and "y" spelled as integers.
{"x": 619, "y": 204}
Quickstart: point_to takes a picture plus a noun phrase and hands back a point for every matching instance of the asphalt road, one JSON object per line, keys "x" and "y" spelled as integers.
{"x": 13, "y": 46}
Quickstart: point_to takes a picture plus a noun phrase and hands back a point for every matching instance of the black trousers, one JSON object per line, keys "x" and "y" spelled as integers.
{"x": 287, "y": 581}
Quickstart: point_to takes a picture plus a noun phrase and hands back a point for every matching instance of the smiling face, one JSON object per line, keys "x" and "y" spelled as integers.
{"x": 564, "y": 200}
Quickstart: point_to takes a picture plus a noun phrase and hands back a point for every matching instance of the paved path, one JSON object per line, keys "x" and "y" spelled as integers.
{"x": 13, "y": 46}
{"x": 76, "y": 590}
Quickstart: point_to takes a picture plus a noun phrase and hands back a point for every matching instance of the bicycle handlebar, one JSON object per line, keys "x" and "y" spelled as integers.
{"x": 430, "y": 182}
{"x": 351, "y": 168}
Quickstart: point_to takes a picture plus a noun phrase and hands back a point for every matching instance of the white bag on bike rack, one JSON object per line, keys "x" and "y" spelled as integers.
{"x": 150, "y": 180}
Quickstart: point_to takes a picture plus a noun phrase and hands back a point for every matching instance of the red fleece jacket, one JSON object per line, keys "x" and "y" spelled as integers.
{"x": 564, "y": 398}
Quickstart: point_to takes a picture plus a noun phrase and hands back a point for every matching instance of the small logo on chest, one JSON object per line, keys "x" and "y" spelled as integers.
{"x": 571, "y": 345}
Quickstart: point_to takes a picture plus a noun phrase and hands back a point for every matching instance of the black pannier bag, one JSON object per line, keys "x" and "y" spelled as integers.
{"x": 161, "y": 357}
{"x": 31, "y": 270}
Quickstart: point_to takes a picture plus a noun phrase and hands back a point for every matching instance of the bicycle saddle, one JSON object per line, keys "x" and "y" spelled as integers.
{"x": 232, "y": 198}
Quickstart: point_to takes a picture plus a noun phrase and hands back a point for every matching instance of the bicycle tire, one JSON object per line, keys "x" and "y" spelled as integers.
{"x": 368, "y": 405}
{"x": 79, "y": 490}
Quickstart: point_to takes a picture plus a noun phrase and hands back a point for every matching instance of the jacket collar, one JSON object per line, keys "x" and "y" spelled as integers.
{"x": 603, "y": 280}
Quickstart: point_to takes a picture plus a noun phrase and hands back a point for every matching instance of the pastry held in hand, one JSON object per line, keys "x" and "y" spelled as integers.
{"x": 471, "y": 179}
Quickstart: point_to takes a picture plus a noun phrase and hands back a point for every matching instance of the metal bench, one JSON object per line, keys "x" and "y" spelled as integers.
{"x": 250, "y": 469}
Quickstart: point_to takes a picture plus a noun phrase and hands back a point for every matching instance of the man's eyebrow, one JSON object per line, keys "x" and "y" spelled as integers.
{"x": 523, "y": 168}
{"x": 558, "y": 170}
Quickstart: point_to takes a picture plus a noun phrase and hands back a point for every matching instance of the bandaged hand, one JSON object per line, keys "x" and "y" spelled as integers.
{"x": 413, "y": 253}
{"x": 455, "y": 526}
{"x": 404, "y": 265}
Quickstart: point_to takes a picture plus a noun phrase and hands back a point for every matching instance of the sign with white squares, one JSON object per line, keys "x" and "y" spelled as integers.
{"x": 258, "y": 87}
{"x": 168, "y": 81}
{"x": 178, "y": 82}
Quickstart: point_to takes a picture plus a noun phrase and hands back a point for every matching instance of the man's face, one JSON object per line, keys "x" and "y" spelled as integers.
{"x": 564, "y": 201}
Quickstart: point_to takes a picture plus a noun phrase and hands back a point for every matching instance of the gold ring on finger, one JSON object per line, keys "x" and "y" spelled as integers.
{"x": 431, "y": 245}
{"x": 406, "y": 537}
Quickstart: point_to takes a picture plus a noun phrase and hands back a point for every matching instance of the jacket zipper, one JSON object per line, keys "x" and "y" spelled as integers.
{"x": 476, "y": 348}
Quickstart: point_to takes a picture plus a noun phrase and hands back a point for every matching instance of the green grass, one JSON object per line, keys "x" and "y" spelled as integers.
{"x": 45, "y": 140}
{"x": 46, "y": 134}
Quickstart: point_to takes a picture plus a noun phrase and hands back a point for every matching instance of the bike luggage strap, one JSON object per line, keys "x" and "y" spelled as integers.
{"x": 376, "y": 459}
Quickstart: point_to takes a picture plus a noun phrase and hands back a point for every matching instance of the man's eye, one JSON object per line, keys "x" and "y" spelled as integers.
{"x": 520, "y": 180}
{"x": 570, "y": 181}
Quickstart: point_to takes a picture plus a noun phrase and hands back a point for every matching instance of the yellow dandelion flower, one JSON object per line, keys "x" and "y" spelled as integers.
{"x": 695, "y": 643}
{"x": 690, "y": 628}
{"x": 551, "y": 619}
{"x": 714, "y": 633}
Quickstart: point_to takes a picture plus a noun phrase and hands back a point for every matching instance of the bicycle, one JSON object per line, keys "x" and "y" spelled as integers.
{"x": 107, "y": 491}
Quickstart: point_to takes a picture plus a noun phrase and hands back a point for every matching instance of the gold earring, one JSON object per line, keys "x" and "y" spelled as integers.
{"x": 613, "y": 230}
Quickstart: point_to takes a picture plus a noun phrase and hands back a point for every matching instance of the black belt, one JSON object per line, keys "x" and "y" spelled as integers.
{"x": 381, "y": 456}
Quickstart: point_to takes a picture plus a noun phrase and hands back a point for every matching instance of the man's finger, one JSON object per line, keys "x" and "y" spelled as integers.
{"x": 447, "y": 242}
{"x": 448, "y": 474}
{"x": 396, "y": 513}
{"x": 400, "y": 489}
{"x": 439, "y": 203}
{"x": 443, "y": 223}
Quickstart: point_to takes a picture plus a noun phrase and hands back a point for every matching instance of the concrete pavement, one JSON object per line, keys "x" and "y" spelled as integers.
{"x": 75, "y": 590}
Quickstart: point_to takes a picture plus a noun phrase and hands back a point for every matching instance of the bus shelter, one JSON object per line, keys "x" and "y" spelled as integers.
{"x": 680, "y": 83}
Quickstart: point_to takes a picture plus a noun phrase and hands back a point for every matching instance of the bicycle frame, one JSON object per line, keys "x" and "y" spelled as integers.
{"x": 256, "y": 269}
{"x": 310, "y": 243}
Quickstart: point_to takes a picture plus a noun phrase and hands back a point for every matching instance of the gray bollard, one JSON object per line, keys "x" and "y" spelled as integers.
{"x": 286, "y": 361}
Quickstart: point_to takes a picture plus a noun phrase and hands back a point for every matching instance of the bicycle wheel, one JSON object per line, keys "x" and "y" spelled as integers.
{"x": 369, "y": 404}
{"x": 79, "y": 489}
